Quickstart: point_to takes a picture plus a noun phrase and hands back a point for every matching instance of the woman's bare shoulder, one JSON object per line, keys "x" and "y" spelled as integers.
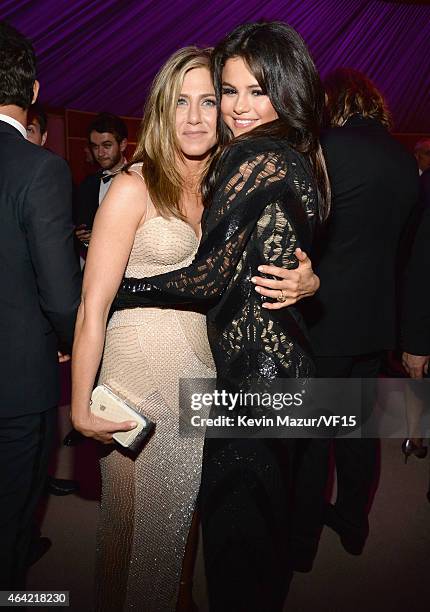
{"x": 128, "y": 192}
{"x": 130, "y": 182}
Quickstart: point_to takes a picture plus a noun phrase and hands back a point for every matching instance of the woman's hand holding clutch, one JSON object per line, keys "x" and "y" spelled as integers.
{"x": 102, "y": 430}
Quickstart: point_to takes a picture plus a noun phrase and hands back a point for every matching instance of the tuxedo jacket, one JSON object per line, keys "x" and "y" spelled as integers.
{"x": 39, "y": 275}
{"x": 416, "y": 303}
{"x": 374, "y": 184}
{"x": 87, "y": 199}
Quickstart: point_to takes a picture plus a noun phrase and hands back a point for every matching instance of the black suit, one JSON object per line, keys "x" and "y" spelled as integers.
{"x": 87, "y": 199}
{"x": 352, "y": 318}
{"x": 374, "y": 185}
{"x": 40, "y": 289}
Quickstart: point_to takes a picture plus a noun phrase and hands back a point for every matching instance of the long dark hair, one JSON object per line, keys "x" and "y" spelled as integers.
{"x": 280, "y": 61}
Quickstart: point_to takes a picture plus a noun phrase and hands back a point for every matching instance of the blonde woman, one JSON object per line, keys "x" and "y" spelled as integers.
{"x": 149, "y": 223}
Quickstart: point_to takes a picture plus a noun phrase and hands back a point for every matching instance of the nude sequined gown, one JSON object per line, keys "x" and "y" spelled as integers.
{"x": 147, "y": 503}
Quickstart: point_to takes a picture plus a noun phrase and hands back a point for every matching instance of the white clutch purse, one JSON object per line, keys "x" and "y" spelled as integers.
{"x": 107, "y": 405}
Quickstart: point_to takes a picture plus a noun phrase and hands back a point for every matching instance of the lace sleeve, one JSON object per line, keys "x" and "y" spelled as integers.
{"x": 246, "y": 185}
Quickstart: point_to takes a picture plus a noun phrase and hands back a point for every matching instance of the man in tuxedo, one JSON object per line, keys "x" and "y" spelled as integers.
{"x": 107, "y": 139}
{"x": 352, "y": 319}
{"x": 40, "y": 291}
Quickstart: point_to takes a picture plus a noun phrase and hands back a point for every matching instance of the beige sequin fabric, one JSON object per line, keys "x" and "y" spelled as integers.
{"x": 147, "y": 503}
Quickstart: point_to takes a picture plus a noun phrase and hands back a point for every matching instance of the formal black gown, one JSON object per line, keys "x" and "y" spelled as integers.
{"x": 263, "y": 208}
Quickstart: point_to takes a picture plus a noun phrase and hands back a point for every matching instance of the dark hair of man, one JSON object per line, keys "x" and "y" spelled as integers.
{"x": 37, "y": 112}
{"x": 281, "y": 63}
{"x": 112, "y": 124}
{"x": 350, "y": 92}
{"x": 17, "y": 68}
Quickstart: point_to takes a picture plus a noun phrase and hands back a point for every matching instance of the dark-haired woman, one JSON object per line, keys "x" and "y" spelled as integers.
{"x": 264, "y": 196}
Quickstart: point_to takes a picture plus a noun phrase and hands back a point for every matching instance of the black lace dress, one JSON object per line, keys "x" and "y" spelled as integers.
{"x": 264, "y": 206}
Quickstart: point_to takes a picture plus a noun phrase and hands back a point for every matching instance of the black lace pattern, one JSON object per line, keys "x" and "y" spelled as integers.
{"x": 264, "y": 207}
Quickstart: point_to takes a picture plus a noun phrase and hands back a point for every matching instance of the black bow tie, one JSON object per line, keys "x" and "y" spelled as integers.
{"x": 108, "y": 176}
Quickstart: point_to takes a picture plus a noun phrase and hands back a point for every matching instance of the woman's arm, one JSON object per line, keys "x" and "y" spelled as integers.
{"x": 251, "y": 182}
{"x": 113, "y": 234}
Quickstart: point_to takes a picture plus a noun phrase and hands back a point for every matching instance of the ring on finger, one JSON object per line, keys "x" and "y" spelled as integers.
{"x": 282, "y": 297}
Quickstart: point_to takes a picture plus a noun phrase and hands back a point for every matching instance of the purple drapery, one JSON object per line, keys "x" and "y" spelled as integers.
{"x": 102, "y": 54}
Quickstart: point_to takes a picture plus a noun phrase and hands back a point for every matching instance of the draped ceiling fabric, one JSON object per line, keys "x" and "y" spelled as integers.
{"x": 99, "y": 55}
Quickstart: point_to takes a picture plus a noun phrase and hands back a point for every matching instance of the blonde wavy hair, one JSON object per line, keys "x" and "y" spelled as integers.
{"x": 158, "y": 149}
{"x": 349, "y": 92}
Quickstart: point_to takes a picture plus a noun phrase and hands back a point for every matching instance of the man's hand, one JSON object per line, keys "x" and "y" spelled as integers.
{"x": 415, "y": 365}
{"x": 295, "y": 284}
{"x": 63, "y": 357}
{"x": 83, "y": 234}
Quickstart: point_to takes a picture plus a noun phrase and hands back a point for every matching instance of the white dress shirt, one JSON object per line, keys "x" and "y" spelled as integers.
{"x": 105, "y": 186}
{"x": 14, "y": 123}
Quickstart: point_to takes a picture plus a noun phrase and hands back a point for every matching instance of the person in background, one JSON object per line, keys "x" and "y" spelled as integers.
{"x": 416, "y": 306}
{"x": 413, "y": 243}
{"x": 352, "y": 319}
{"x": 37, "y": 125}
{"x": 415, "y": 329}
{"x": 37, "y": 133}
{"x": 41, "y": 287}
{"x": 107, "y": 141}
{"x": 422, "y": 155}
